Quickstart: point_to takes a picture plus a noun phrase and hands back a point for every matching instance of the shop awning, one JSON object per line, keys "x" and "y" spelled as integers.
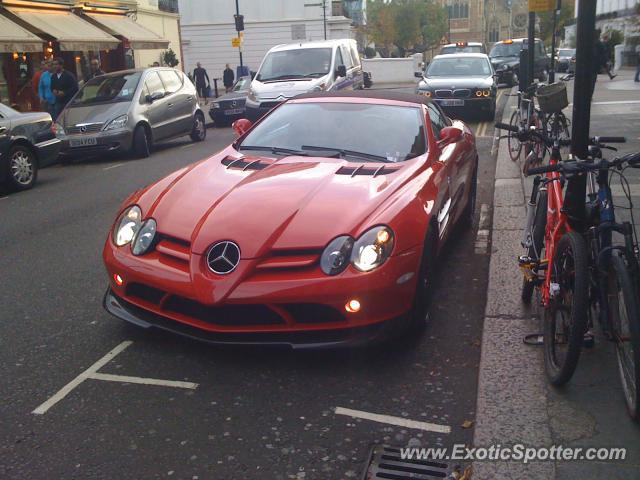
{"x": 72, "y": 32}
{"x": 138, "y": 36}
{"x": 14, "y": 38}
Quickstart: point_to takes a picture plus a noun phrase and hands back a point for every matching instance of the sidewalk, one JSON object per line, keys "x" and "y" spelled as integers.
{"x": 515, "y": 402}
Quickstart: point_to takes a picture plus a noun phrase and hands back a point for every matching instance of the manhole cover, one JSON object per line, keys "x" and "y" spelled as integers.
{"x": 385, "y": 462}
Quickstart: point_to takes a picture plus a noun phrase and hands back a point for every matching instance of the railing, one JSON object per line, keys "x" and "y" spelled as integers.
{"x": 170, "y": 6}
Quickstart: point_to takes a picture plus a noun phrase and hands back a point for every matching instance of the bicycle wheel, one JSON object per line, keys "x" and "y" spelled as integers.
{"x": 565, "y": 318}
{"x": 537, "y": 243}
{"x": 625, "y": 326}
{"x": 512, "y": 140}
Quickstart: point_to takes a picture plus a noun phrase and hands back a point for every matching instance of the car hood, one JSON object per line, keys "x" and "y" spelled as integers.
{"x": 285, "y": 88}
{"x": 507, "y": 61}
{"x": 452, "y": 83}
{"x": 294, "y": 203}
{"x": 100, "y": 113}
{"x": 232, "y": 96}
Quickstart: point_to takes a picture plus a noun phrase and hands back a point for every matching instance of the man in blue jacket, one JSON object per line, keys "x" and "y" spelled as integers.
{"x": 47, "y": 99}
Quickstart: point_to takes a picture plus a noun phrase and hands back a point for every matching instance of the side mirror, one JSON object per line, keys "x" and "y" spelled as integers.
{"x": 253, "y": 75}
{"x": 341, "y": 71}
{"x": 450, "y": 135}
{"x": 417, "y": 74}
{"x": 241, "y": 126}
{"x": 154, "y": 96}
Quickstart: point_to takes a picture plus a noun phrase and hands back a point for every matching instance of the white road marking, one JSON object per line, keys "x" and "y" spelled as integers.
{"x": 400, "y": 422}
{"x": 64, "y": 391}
{"x": 481, "y": 246}
{"x": 482, "y": 129}
{"x": 143, "y": 381}
{"x": 113, "y": 166}
{"x": 187, "y": 145}
{"x": 3, "y": 198}
{"x": 484, "y": 216}
{"x": 92, "y": 374}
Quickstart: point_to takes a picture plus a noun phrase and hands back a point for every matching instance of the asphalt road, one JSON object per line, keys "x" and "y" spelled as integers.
{"x": 254, "y": 413}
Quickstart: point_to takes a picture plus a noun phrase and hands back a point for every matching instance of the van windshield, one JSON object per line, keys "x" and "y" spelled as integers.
{"x": 108, "y": 89}
{"x": 295, "y": 64}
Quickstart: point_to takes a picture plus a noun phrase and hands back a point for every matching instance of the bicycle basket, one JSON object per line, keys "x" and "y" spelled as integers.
{"x": 552, "y": 98}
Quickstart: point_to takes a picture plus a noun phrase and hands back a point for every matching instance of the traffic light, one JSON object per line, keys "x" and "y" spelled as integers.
{"x": 239, "y": 22}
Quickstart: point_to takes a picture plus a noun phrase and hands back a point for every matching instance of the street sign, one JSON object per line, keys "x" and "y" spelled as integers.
{"x": 542, "y": 5}
{"x": 235, "y": 42}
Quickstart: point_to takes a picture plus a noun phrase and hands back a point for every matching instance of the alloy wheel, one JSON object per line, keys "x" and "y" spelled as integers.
{"x": 21, "y": 167}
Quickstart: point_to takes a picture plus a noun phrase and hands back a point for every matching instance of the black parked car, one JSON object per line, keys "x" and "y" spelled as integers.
{"x": 27, "y": 143}
{"x": 505, "y": 58}
{"x": 227, "y": 108}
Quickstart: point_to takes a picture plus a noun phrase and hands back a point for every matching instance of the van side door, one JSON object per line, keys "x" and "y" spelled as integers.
{"x": 339, "y": 82}
{"x": 358, "y": 78}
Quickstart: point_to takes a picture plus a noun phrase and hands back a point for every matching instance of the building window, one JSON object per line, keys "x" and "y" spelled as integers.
{"x": 458, "y": 10}
{"x": 494, "y": 33}
{"x": 170, "y": 6}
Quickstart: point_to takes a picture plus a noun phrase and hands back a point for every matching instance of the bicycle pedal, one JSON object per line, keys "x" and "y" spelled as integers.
{"x": 525, "y": 261}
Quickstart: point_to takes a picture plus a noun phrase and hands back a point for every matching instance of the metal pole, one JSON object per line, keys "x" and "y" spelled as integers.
{"x": 584, "y": 78}
{"x": 552, "y": 66}
{"x": 531, "y": 46}
{"x": 324, "y": 17}
{"x": 240, "y": 47}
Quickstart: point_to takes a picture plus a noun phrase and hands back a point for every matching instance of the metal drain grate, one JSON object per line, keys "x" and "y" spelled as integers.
{"x": 385, "y": 463}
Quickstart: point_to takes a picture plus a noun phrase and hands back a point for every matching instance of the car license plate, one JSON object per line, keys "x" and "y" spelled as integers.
{"x": 451, "y": 103}
{"x": 233, "y": 111}
{"x": 83, "y": 142}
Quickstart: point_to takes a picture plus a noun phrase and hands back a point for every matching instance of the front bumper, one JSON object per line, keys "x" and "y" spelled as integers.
{"x": 109, "y": 141}
{"x": 473, "y": 104}
{"x": 48, "y": 151}
{"x": 254, "y": 305}
{"x": 256, "y": 110}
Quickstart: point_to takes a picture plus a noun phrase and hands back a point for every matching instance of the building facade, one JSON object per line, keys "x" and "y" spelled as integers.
{"x": 207, "y": 28}
{"x": 618, "y": 15}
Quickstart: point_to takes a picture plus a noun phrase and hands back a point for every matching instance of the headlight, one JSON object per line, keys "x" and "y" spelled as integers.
{"x": 58, "y": 130}
{"x": 127, "y": 226}
{"x": 372, "y": 249}
{"x": 144, "y": 238}
{"x": 252, "y": 96}
{"x": 215, "y": 105}
{"x": 118, "y": 122}
{"x": 318, "y": 88}
{"x": 425, "y": 93}
{"x": 483, "y": 92}
{"x": 336, "y": 255}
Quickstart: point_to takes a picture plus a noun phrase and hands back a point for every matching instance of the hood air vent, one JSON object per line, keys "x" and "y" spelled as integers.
{"x": 362, "y": 170}
{"x": 244, "y": 163}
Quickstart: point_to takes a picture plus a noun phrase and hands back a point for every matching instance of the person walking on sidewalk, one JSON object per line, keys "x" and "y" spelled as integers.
{"x": 200, "y": 74}
{"x": 607, "y": 56}
{"x": 227, "y": 78}
{"x": 47, "y": 98}
{"x": 63, "y": 85}
{"x": 637, "y": 79}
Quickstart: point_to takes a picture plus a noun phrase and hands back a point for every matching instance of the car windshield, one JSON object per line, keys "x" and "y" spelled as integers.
{"x": 506, "y": 50}
{"x": 466, "y": 49}
{"x": 242, "y": 84}
{"x": 295, "y": 64}
{"x": 459, "y": 67}
{"x": 354, "y": 131}
{"x": 108, "y": 89}
{"x": 566, "y": 52}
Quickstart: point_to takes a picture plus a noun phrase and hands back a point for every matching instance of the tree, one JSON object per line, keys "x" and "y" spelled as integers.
{"x": 169, "y": 58}
{"x": 567, "y": 12}
{"x": 435, "y": 23}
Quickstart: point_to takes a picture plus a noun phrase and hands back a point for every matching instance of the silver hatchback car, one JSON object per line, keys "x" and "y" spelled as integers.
{"x": 129, "y": 111}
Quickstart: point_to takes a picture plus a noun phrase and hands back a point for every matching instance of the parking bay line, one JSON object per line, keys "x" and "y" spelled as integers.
{"x": 400, "y": 422}
{"x": 482, "y": 237}
{"x": 92, "y": 373}
{"x": 113, "y": 166}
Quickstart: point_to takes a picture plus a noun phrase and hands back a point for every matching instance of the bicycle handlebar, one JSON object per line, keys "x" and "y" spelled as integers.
{"x": 567, "y": 167}
{"x": 562, "y": 142}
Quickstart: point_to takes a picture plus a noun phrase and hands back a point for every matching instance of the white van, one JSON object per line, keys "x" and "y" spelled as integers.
{"x": 292, "y": 69}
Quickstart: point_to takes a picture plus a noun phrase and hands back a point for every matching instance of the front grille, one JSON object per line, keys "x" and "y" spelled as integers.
{"x": 462, "y": 93}
{"x": 224, "y": 315}
{"x": 361, "y": 170}
{"x": 386, "y": 462}
{"x": 313, "y": 313}
{"x": 89, "y": 128}
{"x": 145, "y": 292}
{"x": 444, "y": 93}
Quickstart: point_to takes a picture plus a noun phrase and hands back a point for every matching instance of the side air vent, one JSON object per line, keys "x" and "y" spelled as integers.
{"x": 362, "y": 170}
{"x": 244, "y": 163}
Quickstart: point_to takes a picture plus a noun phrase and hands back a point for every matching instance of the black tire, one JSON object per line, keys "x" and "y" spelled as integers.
{"x": 424, "y": 284}
{"x": 141, "y": 144}
{"x": 570, "y": 306}
{"x": 624, "y": 319}
{"x": 22, "y": 171}
{"x": 199, "y": 129}
{"x": 491, "y": 114}
{"x": 513, "y": 79}
{"x": 537, "y": 243}
{"x": 514, "y": 145}
{"x": 467, "y": 218}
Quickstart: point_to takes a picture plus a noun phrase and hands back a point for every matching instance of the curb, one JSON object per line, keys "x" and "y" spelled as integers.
{"x": 512, "y": 396}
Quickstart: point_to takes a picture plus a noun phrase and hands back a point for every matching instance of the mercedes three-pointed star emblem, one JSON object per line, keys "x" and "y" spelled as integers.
{"x": 223, "y": 257}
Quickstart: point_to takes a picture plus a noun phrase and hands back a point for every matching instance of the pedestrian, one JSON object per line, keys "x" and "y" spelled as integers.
{"x": 156, "y": 64}
{"x": 607, "y": 55}
{"x": 637, "y": 79}
{"x": 96, "y": 71}
{"x": 63, "y": 85}
{"x": 35, "y": 80}
{"x": 227, "y": 78}
{"x": 199, "y": 74}
{"x": 47, "y": 98}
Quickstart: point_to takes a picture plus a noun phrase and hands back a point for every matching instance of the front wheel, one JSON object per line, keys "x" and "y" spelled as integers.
{"x": 624, "y": 320}
{"x": 424, "y": 284}
{"x": 23, "y": 168}
{"x": 565, "y": 318}
{"x": 199, "y": 129}
{"x": 515, "y": 146}
{"x": 537, "y": 243}
{"x": 513, "y": 79}
{"x": 141, "y": 147}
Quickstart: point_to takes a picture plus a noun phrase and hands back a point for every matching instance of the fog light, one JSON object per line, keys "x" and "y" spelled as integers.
{"x": 118, "y": 279}
{"x": 352, "y": 306}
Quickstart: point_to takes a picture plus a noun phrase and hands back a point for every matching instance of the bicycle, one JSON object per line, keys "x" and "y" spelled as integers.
{"x": 614, "y": 276}
{"x": 523, "y": 118}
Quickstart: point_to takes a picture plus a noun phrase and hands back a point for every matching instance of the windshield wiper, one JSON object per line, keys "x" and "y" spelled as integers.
{"x": 275, "y": 150}
{"x": 343, "y": 153}
{"x": 315, "y": 74}
{"x": 291, "y": 76}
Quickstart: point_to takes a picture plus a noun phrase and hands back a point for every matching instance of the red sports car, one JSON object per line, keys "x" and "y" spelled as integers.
{"x": 319, "y": 226}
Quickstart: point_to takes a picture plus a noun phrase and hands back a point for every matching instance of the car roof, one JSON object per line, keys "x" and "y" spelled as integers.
{"x": 518, "y": 40}
{"x": 312, "y": 44}
{"x": 383, "y": 95}
{"x": 468, "y": 44}
{"x": 136, "y": 70}
{"x": 464, "y": 54}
